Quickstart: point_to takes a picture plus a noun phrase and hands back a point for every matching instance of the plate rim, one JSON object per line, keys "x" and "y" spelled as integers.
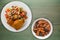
{"x": 25, "y": 5}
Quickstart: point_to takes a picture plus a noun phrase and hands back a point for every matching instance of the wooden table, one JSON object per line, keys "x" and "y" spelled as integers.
{"x": 49, "y": 9}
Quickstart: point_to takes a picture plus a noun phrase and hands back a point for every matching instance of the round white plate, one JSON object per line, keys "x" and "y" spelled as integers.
{"x": 42, "y": 37}
{"x": 20, "y": 4}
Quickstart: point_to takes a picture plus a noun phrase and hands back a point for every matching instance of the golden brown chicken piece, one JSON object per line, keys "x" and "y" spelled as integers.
{"x": 18, "y": 24}
{"x": 10, "y": 21}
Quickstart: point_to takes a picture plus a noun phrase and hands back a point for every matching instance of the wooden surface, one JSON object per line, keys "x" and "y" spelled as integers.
{"x": 49, "y": 9}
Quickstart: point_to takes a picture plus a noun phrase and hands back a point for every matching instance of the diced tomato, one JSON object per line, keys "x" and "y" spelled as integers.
{"x": 8, "y": 10}
{"x": 6, "y": 16}
{"x": 22, "y": 14}
{"x": 25, "y": 17}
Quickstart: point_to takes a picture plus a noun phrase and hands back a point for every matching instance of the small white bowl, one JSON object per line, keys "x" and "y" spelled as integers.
{"x": 42, "y": 37}
{"x": 19, "y": 4}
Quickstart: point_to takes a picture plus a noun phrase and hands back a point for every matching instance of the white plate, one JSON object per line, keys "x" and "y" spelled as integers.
{"x": 20, "y": 4}
{"x": 40, "y": 37}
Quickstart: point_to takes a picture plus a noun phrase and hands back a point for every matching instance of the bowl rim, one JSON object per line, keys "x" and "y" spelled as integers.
{"x": 39, "y": 37}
